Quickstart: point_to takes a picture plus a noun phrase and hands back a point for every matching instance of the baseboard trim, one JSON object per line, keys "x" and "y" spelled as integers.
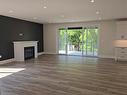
{"x": 99, "y": 56}
{"x": 12, "y": 60}
{"x": 7, "y": 61}
{"x": 49, "y": 53}
{"x": 41, "y": 53}
{"x": 106, "y": 56}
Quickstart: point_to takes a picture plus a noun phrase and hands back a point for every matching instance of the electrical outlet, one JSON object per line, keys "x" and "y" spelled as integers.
{"x": 0, "y": 56}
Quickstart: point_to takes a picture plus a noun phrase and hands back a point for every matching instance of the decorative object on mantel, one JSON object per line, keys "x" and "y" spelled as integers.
{"x": 20, "y": 48}
{"x": 121, "y": 50}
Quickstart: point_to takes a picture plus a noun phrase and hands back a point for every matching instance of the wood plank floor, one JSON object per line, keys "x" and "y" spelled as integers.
{"x": 64, "y": 75}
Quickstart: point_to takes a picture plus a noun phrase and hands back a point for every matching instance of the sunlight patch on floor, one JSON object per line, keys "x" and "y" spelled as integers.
{"x": 8, "y": 71}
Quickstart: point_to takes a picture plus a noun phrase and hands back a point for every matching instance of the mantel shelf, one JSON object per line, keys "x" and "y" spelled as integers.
{"x": 25, "y": 42}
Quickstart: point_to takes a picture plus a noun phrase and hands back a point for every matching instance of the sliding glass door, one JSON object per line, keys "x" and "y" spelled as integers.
{"x": 78, "y": 41}
{"x": 90, "y": 42}
{"x": 74, "y": 41}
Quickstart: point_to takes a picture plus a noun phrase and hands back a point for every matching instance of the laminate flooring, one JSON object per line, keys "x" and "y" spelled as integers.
{"x": 64, "y": 75}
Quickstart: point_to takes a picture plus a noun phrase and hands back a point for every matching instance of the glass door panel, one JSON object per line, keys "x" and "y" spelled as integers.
{"x": 90, "y": 42}
{"x": 74, "y": 41}
{"x": 62, "y": 41}
{"x": 95, "y": 36}
{"x": 84, "y": 42}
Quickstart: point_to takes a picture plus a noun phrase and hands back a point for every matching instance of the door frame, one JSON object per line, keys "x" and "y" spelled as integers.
{"x": 58, "y": 30}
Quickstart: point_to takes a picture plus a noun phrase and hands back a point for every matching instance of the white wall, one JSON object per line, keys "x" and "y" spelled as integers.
{"x": 121, "y": 30}
{"x": 106, "y": 36}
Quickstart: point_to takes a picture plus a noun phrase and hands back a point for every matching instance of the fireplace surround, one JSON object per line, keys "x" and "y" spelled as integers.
{"x": 25, "y": 49}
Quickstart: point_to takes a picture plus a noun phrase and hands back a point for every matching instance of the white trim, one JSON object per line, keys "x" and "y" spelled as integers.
{"x": 41, "y": 53}
{"x": 12, "y": 60}
{"x": 19, "y": 49}
{"x": 82, "y": 30}
{"x": 50, "y": 53}
{"x": 7, "y": 61}
{"x": 106, "y": 56}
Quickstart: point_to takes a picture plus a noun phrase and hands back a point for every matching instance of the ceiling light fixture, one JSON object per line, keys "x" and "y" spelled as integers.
{"x": 35, "y": 18}
{"x": 62, "y": 16}
{"x": 92, "y": 1}
{"x": 100, "y": 18}
{"x": 10, "y": 11}
{"x": 44, "y": 7}
{"x": 97, "y": 12}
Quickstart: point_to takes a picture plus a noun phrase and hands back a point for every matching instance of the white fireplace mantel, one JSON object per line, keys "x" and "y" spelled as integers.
{"x": 19, "y": 49}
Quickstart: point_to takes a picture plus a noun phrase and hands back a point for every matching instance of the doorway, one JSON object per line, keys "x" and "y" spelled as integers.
{"x": 78, "y": 41}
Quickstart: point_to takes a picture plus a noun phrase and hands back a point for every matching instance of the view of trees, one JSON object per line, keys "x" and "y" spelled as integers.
{"x": 75, "y": 38}
{"x": 80, "y": 39}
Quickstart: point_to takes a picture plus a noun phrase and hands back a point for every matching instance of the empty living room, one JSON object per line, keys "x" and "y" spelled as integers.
{"x": 63, "y": 47}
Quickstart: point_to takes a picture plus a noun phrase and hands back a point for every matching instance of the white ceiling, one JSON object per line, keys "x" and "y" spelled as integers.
{"x": 59, "y": 11}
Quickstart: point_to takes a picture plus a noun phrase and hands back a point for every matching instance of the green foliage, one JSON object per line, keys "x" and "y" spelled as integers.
{"x": 75, "y": 38}
{"x": 62, "y": 39}
{"x": 89, "y": 38}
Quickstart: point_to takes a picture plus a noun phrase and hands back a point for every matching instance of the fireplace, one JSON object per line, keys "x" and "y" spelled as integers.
{"x": 29, "y": 52}
{"x": 25, "y": 50}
